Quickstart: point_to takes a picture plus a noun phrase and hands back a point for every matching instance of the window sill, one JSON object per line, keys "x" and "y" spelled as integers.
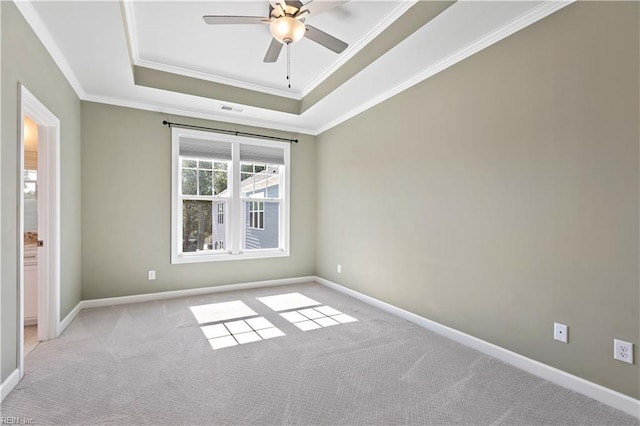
{"x": 223, "y": 257}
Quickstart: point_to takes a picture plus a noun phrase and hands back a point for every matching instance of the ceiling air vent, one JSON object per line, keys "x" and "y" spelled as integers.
{"x": 230, "y": 108}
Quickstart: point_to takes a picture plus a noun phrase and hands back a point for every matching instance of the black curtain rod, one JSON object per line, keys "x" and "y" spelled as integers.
{"x": 229, "y": 132}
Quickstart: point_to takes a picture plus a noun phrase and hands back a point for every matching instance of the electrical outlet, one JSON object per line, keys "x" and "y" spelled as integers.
{"x": 623, "y": 351}
{"x": 152, "y": 275}
{"x": 339, "y": 269}
{"x": 560, "y": 332}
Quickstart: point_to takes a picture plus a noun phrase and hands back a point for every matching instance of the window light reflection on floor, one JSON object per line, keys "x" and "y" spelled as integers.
{"x": 240, "y": 332}
{"x": 318, "y": 317}
{"x": 223, "y": 311}
{"x": 288, "y": 301}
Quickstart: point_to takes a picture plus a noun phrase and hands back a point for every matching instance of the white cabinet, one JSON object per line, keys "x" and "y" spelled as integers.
{"x": 30, "y": 287}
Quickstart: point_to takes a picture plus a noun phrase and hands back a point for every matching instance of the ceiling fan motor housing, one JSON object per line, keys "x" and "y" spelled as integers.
{"x": 292, "y": 8}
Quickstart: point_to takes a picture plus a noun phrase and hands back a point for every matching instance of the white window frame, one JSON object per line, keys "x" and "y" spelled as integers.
{"x": 234, "y": 213}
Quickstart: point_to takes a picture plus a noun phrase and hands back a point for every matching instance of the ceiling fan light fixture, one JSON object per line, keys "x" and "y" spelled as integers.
{"x": 287, "y": 30}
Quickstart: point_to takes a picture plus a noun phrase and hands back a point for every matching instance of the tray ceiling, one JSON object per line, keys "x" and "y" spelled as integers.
{"x": 171, "y": 36}
{"x": 161, "y": 56}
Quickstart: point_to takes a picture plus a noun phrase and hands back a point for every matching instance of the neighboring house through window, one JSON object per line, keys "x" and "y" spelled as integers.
{"x": 220, "y": 213}
{"x": 256, "y": 215}
{"x": 229, "y": 197}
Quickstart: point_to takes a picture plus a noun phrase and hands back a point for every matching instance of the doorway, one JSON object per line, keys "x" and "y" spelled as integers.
{"x": 39, "y": 222}
{"x": 30, "y": 236}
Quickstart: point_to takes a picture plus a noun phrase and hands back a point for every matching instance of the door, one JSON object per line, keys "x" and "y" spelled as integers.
{"x": 48, "y": 219}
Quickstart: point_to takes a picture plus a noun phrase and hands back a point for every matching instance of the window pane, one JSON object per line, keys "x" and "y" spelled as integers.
{"x": 219, "y": 238}
{"x": 247, "y": 179}
{"x": 261, "y": 223}
{"x": 263, "y": 183}
{"x": 189, "y": 163}
{"x": 204, "y": 180}
{"x": 189, "y": 186}
{"x": 205, "y": 165}
{"x": 197, "y": 225}
{"x": 220, "y": 182}
{"x": 220, "y": 166}
{"x": 273, "y": 182}
{"x": 30, "y": 191}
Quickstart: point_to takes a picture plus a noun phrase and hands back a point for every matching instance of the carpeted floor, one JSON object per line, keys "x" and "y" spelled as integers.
{"x": 150, "y": 363}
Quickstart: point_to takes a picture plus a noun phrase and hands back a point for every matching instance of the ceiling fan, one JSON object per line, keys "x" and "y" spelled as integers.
{"x": 286, "y": 22}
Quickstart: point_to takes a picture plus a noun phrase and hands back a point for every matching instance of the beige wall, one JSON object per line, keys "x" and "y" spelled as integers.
{"x": 25, "y": 60}
{"x": 502, "y": 194}
{"x": 126, "y": 208}
{"x": 496, "y": 198}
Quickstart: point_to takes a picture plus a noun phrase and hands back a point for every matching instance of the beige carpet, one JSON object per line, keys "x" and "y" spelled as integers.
{"x": 30, "y": 338}
{"x": 150, "y": 363}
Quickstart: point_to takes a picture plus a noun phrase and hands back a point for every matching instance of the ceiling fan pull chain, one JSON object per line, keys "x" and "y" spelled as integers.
{"x": 289, "y": 64}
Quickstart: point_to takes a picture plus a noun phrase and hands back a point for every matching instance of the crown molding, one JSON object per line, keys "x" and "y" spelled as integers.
{"x": 205, "y": 115}
{"x": 130, "y": 31}
{"x": 281, "y": 123}
{"x": 132, "y": 41}
{"x": 481, "y": 43}
{"x": 45, "y": 37}
{"x": 161, "y": 66}
{"x": 351, "y": 51}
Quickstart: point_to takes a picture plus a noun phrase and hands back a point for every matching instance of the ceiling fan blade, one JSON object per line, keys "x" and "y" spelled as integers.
{"x": 326, "y": 40}
{"x": 232, "y": 20}
{"x": 273, "y": 51}
{"x": 301, "y": 14}
{"x": 318, "y": 7}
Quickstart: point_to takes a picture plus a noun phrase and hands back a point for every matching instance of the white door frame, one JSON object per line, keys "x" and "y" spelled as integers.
{"x": 48, "y": 219}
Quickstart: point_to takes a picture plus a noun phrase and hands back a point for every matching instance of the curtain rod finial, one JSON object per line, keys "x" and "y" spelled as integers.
{"x": 165, "y": 122}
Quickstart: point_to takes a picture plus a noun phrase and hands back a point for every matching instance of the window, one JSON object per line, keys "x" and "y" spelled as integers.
{"x": 229, "y": 197}
{"x": 256, "y": 215}
{"x": 220, "y": 213}
{"x": 203, "y": 184}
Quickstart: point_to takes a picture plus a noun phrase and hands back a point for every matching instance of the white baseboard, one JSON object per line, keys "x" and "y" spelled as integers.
{"x": 7, "y": 386}
{"x": 112, "y": 301}
{"x": 30, "y": 321}
{"x": 67, "y": 320}
{"x": 607, "y": 396}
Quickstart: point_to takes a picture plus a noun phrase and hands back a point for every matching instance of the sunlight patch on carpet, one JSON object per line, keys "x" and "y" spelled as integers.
{"x": 233, "y": 333}
{"x": 318, "y": 317}
{"x": 223, "y": 311}
{"x": 287, "y": 301}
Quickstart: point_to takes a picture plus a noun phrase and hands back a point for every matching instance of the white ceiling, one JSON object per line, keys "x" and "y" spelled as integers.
{"x": 172, "y": 36}
{"x": 88, "y": 40}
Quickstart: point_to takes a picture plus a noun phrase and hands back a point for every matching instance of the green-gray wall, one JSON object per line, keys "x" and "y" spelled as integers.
{"x": 126, "y": 208}
{"x": 502, "y": 194}
{"x": 25, "y": 60}
{"x": 497, "y": 197}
